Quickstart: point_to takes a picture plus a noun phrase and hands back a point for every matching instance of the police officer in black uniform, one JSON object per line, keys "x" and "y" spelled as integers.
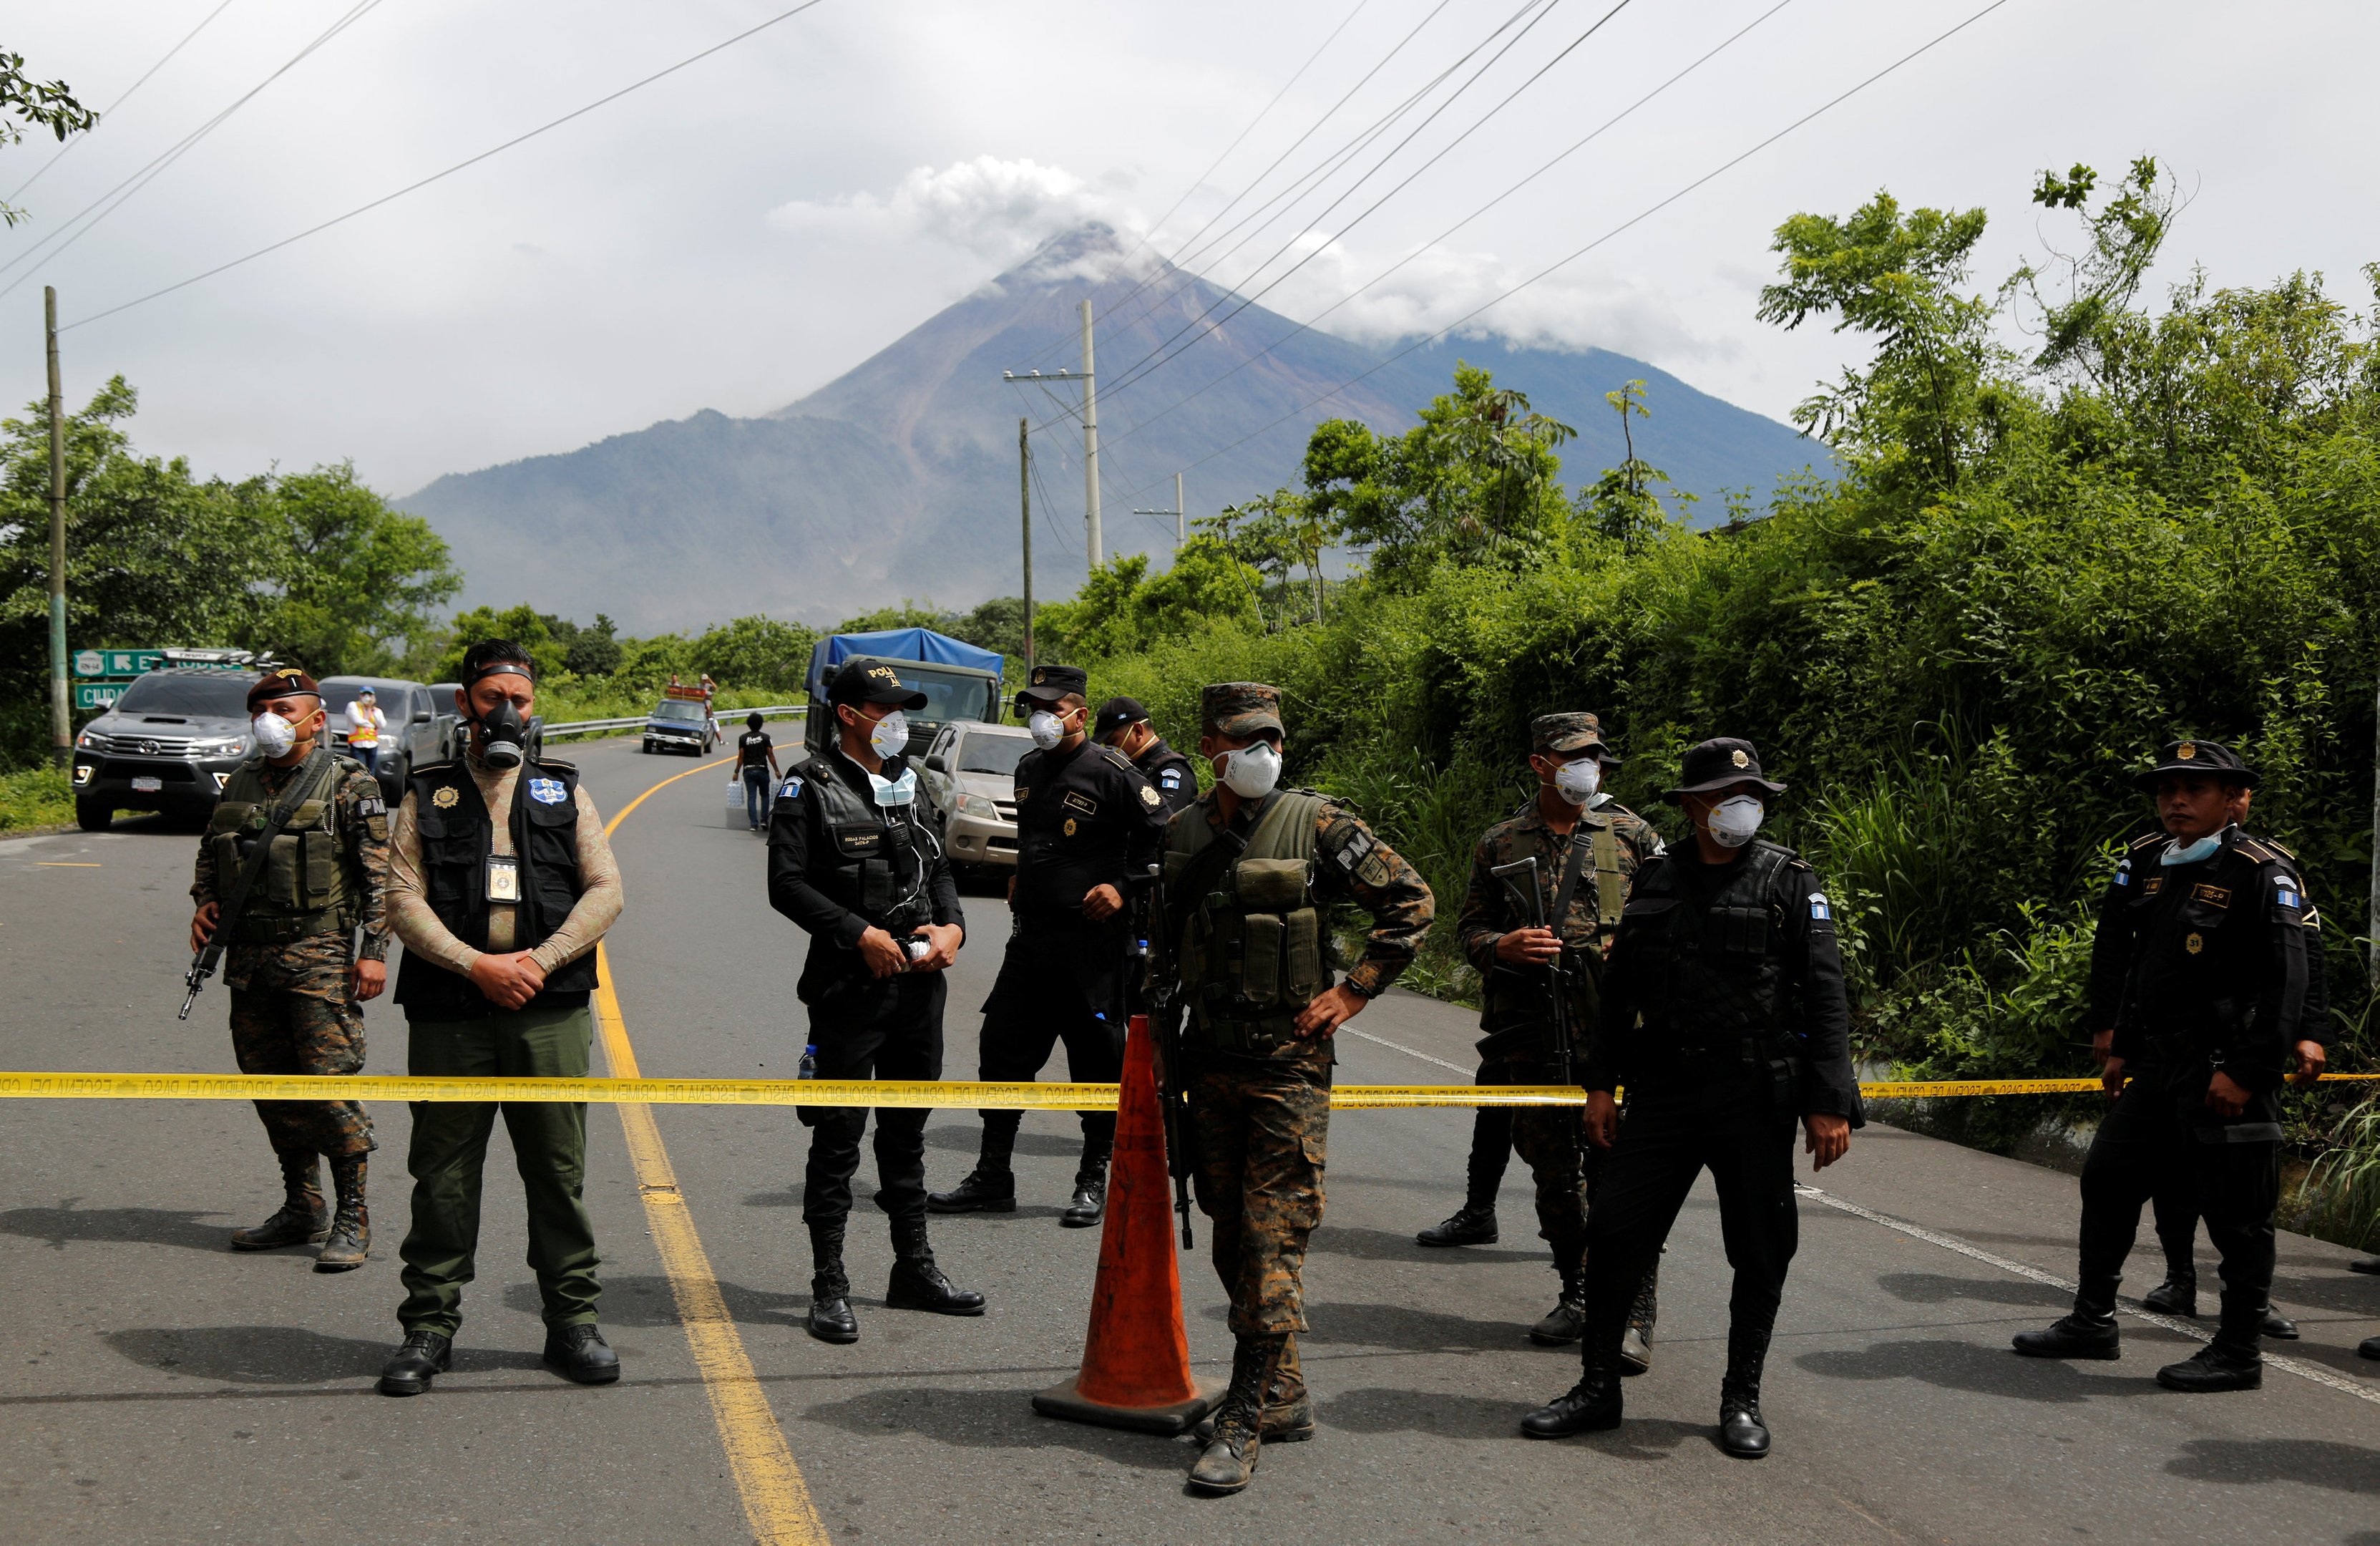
{"x": 1087, "y": 829}
{"x": 2209, "y": 931}
{"x": 1123, "y": 725}
{"x": 1727, "y": 955}
{"x": 852, "y": 862}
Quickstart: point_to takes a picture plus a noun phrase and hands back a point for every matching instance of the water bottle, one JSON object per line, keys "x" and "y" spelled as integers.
{"x": 808, "y": 1070}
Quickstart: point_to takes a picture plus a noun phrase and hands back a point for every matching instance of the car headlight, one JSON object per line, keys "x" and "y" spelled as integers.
{"x": 85, "y": 741}
{"x": 235, "y": 747}
{"x": 979, "y": 808}
{"x": 82, "y": 772}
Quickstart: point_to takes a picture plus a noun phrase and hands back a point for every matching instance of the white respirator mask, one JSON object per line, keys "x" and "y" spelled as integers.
{"x": 1578, "y": 782}
{"x": 1734, "y": 820}
{"x": 891, "y": 792}
{"x": 1046, "y": 728}
{"x": 889, "y": 735}
{"x": 1252, "y": 772}
{"x": 275, "y": 736}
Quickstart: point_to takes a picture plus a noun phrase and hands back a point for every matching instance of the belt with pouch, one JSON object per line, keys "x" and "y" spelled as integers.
{"x": 282, "y": 930}
{"x": 1259, "y": 1037}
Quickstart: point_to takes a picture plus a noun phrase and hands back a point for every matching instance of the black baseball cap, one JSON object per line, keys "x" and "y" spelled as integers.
{"x": 2210, "y": 759}
{"x": 1049, "y": 683}
{"x": 1114, "y": 715}
{"x": 872, "y": 681}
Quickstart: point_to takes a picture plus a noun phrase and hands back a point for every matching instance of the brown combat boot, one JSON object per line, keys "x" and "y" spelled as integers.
{"x": 348, "y": 1243}
{"x": 1228, "y": 1462}
{"x": 301, "y": 1220}
{"x": 1287, "y": 1410}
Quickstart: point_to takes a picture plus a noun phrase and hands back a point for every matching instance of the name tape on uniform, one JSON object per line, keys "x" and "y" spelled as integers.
{"x": 851, "y": 1092}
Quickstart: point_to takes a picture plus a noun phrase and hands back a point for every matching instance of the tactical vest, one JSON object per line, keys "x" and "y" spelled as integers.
{"x": 1710, "y": 976}
{"x": 1611, "y": 881}
{"x": 874, "y": 866}
{"x": 302, "y": 890}
{"x": 1252, "y": 951}
{"x": 457, "y": 838}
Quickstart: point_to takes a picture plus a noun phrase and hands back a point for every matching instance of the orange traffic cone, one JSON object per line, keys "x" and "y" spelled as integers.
{"x": 1136, "y": 1360}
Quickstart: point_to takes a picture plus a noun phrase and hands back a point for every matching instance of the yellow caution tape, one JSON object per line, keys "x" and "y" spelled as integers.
{"x": 952, "y": 1093}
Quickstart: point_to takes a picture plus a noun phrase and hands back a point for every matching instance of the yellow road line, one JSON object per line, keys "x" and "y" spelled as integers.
{"x": 64, "y": 864}
{"x": 776, "y": 1501}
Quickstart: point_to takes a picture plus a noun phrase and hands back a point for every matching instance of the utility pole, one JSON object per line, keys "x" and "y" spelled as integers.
{"x": 1175, "y": 513}
{"x": 61, "y": 721}
{"x": 1025, "y": 499}
{"x": 1097, "y": 549}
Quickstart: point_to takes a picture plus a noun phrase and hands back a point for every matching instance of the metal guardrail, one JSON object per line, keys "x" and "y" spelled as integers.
{"x": 636, "y": 722}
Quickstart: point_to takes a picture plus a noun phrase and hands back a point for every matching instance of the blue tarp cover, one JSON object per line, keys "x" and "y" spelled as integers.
{"x": 923, "y": 645}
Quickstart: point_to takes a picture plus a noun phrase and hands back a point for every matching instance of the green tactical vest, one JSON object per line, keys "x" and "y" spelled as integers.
{"x": 303, "y": 888}
{"x": 1252, "y": 951}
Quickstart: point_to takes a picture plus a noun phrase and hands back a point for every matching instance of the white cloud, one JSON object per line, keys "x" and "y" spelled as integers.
{"x": 996, "y": 210}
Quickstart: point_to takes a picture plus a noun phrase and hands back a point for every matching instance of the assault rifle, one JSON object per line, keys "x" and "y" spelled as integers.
{"x": 1558, "y": 970}
{"x": 1165, "y": 1037}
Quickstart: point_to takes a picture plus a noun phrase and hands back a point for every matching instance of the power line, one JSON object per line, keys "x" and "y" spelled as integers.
{"x": 156, "y": 167}
{"x": 1632, "y": 221}
{"x": 1548, "y": 165}
{"x": 64, "y": 150}
{"x": 1133, "y": 372}
{"x": 460, "y": 165}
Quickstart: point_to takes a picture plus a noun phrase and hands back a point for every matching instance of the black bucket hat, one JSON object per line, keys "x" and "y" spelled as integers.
{"x": 1715, "y": 764}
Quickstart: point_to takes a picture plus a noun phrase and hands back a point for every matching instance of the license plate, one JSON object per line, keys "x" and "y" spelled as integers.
{"x": 146, "y": 786}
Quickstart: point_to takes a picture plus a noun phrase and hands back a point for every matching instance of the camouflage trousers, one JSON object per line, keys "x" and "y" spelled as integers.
{"x": 1260, "y": 1132}
{"x": 291, "y": 1013}
{"x": 1551, "y": 1141}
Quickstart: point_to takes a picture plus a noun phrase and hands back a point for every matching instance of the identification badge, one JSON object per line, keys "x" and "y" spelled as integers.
{"x": 503, "y": 878}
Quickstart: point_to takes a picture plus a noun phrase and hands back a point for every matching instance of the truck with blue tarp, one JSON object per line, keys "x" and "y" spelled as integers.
{"x": 960, "y": 681}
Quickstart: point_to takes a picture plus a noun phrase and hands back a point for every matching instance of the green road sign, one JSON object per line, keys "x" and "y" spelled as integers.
{"x": 97, "y": 695}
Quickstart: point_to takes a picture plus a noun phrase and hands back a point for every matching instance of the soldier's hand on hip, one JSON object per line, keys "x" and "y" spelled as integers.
{"x": 1527, "y": 947}
{"x": 2111, "y": 1076}
{"x": 1101, "y": 903}
{"x": 942, "y": 946}
{"x": 883, "y": 953}
{"x": 367, "y": 979}
{"x": 2103, "y": 1046}
{"x": 2311, "y": 1060}
{"x": 1327, "y": 1013}
{"x": 203, "y": 925}
{"x": 2226, "y": 1095}
{"x": 1602, "y": 1118}
{"x": 1829, "y": 1138}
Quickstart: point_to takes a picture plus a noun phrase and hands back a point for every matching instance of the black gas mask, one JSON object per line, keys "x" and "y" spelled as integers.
{"x": 503, "y": 739}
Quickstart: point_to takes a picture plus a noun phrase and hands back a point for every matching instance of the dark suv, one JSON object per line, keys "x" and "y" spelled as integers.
{"x": 170, "y": 743}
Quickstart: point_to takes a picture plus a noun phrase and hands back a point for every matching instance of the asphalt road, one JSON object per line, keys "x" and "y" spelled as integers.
{"x": 164, "y": 1389}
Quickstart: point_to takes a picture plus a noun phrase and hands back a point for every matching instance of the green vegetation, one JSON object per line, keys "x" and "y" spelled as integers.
{"x": 31, "y": 799}
{"x": 48, "y": 105}
{"x": 2161, "y": 519}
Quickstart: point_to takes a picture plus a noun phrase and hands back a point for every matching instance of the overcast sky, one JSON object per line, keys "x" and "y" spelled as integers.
{"x": 752, "y": 227}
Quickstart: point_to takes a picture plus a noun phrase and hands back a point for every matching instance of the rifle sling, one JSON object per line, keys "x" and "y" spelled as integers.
{"x": 301, "y": 789}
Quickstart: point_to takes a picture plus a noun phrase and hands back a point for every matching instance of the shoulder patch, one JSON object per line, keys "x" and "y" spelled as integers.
{"x": 446, "y": 797}
{"x": 791, "y": 789}
{"x": 1170, "y": 777}
{"x": 1821, "y": 910}
{"x": 548, "y": 791}
{"x": 1150, "y": 797}
{"x": 2286, "y": 893}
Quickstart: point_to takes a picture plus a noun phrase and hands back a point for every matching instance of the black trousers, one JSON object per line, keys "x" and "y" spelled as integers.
{"x": 1038, "y": 1002}
{"x": 2160, "y": 1131}
{"x": 1732, "y": 1127}
{"x": 869, "y": 1029}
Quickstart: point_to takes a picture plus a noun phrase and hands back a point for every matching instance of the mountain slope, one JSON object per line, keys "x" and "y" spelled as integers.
{"x": 899, "y": 479}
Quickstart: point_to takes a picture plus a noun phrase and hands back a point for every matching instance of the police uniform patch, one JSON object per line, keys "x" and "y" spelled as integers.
{"x": 1150, "y": 797}
{"x": 790, "y": 790}
{"x": 1078, "y": 800}
{"x": 2285, "y": 891}
{"x": 1357, "y": 847}
{"x": 1171, "y": 778}
{"x": 2124, "y": 872}
{"x": 1373, "y": 871}
{"x": 1820, "y": 910}
{"x": 547, "y": 791}
{"x": 2195, "y": 944}
{"x": 1070, "y": 826}
{"x": 371, "y": 805}
{"x": 446, "y": 798}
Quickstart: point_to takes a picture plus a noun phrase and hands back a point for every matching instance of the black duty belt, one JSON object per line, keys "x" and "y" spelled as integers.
{"x": 282, "y": 930}
{"x": 1260, "y": 1037}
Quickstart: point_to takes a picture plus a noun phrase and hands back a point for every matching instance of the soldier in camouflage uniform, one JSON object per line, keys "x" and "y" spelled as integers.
{"x": 297, "y": 979}
{"x": 1586, "y": 848}
{"x": 1249, "y": 871}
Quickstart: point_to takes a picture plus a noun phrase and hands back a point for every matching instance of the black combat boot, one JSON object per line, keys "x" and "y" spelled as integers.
{"x": 1287, "y": 1410}
{"x": 2177, "y": 1295}
{"x": 1472, "y": 1225}
{"x": 2228, "y": 1363}
{"x": 1566, "y": 1323}
{"x": 419, "y": 1360}
{"x": 348, "y": 1244}
{"x": 2366, "y": 1264}
{"x": 2088, "y": 1332}
{"x": 2368, "y": 1348}
{"x": 582, "y": 1354}
{"x": 916, "y": 1283}
{"x": 991, "y": 1187}
{"x": 1089, "y": 1203}
{"x": 1741, "y": 1430}
{"x": 1229, "y": 1461}
{"x": 829, "y": 1318}
{"x": 302, "y": 1220}
{"x": 1592, "y": 1403}
{"x": 2279, "y": 1327}
{"x": 1637, "y": 1342}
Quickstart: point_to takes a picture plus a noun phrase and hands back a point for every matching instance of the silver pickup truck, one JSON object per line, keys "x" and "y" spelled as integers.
{"x": 420, "y": 726}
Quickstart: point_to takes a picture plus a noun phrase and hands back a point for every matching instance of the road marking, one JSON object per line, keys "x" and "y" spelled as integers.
{"x": 776, "y": 1501}
{"x": 2319, "y": 1375}
{"x": 1400, "y": 1047}
{"x": 64, "y": 864}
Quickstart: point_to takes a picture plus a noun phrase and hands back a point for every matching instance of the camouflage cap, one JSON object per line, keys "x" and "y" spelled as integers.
{"x": 282, "y": 681}
{"x": 2211, "y": 757}
{"x": 1569, "y": 732}
{"x": 1239, "y": 709}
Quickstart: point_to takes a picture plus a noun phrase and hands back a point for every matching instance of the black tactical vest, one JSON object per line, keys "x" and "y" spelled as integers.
{"x": 874, "y": 866}
{"x": 1711, "y": 971}
{"x": 457, "y": 838}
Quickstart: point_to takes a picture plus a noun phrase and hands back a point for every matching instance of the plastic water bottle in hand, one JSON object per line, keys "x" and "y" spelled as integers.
{"x": 808, "y": 1070}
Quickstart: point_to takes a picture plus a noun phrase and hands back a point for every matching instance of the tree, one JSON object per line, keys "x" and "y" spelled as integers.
{"x": 1619, "y": 504}
{"x": 1121, "y": 609}
{"x": 522, "y": 625}
{"x": 48, "y": 105}
{"x": 756, "y": 653}
{"x": 593, "y": 651}
{"x": 354, "y": 575}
